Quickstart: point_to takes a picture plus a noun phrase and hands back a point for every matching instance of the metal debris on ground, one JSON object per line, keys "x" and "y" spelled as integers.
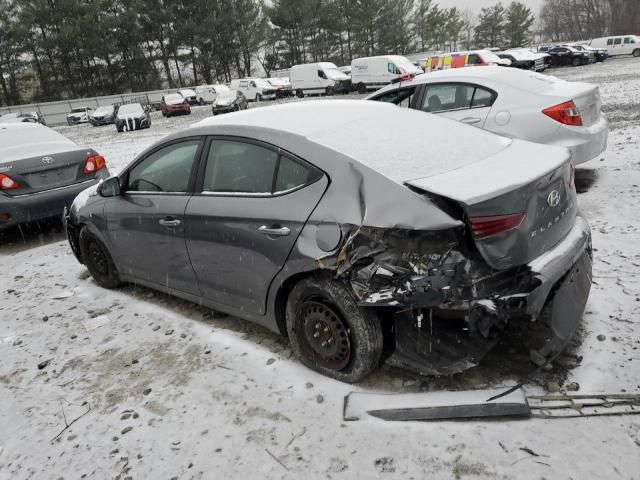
{"x": 473, "y": 404}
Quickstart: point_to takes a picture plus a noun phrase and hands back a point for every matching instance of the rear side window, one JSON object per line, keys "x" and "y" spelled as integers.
{"x": 610, "y": 41}
{"x": 617, "y": 41}
{"x": 445, "y": 97}
{"x": 240, "y": 167}
{"x": 165, "y": 170}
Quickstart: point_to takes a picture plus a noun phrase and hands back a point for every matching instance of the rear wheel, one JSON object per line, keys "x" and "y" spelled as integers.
{"x": 576, "y": 62}
{"x": 98, "y": 260}
{"x": 329, "y": 333}
{"x": 299, "y": 93}
{"x": 636, "y": 52}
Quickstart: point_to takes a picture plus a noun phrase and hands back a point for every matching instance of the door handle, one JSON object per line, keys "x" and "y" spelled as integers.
{"x": 471, "y": 120}
{"x": 274, "y": 230}
{"x": 169, "y": 222}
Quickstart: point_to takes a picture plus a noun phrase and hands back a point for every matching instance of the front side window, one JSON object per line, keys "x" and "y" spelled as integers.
{"x": 253, "y": 84}
{"x": 322, "y": 75}
{"x": 627, "y": 40}
{"x": 610, "y": 41}
{"x": 165, "y": 170}
{"x": 392, "y": 68}
{"x": 474, "y": 59}
{"x": 239, "y": 167}
{"x": 401, "y": 97}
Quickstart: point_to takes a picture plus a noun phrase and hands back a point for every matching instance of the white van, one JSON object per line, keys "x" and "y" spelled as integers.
{"x": 318, "y": 78}
{"x": 375, "y": 72}
{"x": 208, "y": 93}
{"x": 619, "y": 45}
{"x": 255, "y": 89}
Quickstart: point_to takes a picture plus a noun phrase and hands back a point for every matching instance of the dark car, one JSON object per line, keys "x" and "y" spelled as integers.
{"x": 28, "y": 117}
{"x": 174, "y": 104}
{"x": 561, "y": 56}
{"x": 341, "y": 235}
{"x": 598, "y": 54}
{"x": 229, "y": 101}
{"x": 105, "y": 115}
{"x": 41, "y": 172}
{"x": 132, "y": 116}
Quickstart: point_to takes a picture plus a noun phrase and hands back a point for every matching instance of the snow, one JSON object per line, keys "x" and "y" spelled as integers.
{"x": 367, "y": 132}
{"x": 225, "y": 395}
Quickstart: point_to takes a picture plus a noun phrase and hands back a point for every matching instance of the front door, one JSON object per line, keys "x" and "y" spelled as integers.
{"x": 146, "y": 223}
{"x": 254, "y": 202}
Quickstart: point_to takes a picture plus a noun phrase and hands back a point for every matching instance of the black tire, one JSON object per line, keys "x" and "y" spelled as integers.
{"x": 299, "y": 93}
{"x": 353, "y": 335}
{"x": 329, "y": 91}
{"x": 636, "y": 53}
{"x": 201, "y": 101}
{"x": 119, "y": 130}
{"x": 236, "y": 108}
{"x": 576, "y": 62}
{"x": 215, "y": 113}
{"x": 98, "y": 260}
{"x": 362, "y": 88}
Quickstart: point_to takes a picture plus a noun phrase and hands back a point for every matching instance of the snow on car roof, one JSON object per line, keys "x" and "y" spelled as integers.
{"x": 24, "y": 140}
{"x": 399, "y": 143}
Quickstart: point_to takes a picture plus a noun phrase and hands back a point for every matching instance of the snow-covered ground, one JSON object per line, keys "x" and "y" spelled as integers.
{"x": 173, "y": 390}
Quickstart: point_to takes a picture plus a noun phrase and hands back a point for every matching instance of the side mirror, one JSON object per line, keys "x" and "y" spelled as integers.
{"x": 110, "y": 187}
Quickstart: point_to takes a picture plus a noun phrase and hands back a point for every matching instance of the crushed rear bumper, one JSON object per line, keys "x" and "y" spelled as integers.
{"x": 429, "y": 341}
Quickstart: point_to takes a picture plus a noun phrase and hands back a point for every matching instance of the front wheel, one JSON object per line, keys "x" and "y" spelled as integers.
{"x": 201, "y": 101}
{"x": 299, "y": 93}
{"x": 329, "y": 91}
{"x": 98, "y": 260}
{"x": 258, "y": 97}
{"x": 329, "y": 333}
{"x": 362, "y": 88}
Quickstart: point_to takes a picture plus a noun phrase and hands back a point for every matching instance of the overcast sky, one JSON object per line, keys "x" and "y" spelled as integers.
{"x": 476, "y": 5}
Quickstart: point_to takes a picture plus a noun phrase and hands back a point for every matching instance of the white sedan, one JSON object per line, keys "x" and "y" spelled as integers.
{"x": 511, "y": 102}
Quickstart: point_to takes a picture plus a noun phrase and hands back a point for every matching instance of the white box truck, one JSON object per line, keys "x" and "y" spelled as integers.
{"x": 375, "y": 72}
{"x": 618, "y": 45}
{"x": 318, "y": 78}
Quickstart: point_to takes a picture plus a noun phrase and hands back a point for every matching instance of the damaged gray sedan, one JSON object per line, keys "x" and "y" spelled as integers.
{"x": 363, "y": 232}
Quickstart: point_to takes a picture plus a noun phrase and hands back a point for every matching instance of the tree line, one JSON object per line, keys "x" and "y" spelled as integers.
{"x": 55, "y": 49}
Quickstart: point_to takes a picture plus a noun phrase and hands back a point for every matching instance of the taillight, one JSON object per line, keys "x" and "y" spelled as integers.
{"x": 93, "y": 164}
{"x": 483, "y": 227}
{"x": 7, "y": 183}
{"x": 566, "y": 113}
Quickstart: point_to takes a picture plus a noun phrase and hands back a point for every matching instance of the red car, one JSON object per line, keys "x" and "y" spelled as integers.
{"x": 174, "y": 104}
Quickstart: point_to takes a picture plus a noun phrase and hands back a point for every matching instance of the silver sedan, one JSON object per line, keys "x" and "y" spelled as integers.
{"x": 511, "y": 102}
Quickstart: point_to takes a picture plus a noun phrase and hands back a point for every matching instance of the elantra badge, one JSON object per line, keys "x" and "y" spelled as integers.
{"x": 553, "y": 199}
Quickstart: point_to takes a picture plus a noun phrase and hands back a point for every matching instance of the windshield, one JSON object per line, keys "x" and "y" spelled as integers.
{"x": 173, "y": 97}
{"x": 79, "y": 110}
{"x": 103, "y": 110}
{"x": 490, "y": 57}
{"x": 131, "y": 109}
{"x": 226, "y": 94}
{"x": 262, "y": 83}
{"x": 334, "y": 74}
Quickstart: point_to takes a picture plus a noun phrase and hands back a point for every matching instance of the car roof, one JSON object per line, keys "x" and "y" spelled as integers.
{"x": 401, "y": 144}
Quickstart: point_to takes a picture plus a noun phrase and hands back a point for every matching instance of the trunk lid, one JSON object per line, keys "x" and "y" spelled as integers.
{"x": 585, "y": 96}
{"x": 525, "y": 178}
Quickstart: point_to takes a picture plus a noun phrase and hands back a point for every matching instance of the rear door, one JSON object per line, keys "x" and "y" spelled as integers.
{"x": 254, "y": 200}
{"x": 464, "y": 102}
{"x": 146, "y": 223}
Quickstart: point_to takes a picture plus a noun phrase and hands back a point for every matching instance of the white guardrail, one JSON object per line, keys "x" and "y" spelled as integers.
{"x": 55, "y": 113}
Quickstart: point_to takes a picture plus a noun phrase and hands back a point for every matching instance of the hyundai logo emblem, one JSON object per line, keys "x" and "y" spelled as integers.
{"x": 553, "y": 199}
{"x": 47, "y": 160}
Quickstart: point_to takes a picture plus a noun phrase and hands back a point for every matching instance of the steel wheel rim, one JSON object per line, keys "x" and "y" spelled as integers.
{"x": 98, "y": 258}
{"x": 325, "y": 338}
